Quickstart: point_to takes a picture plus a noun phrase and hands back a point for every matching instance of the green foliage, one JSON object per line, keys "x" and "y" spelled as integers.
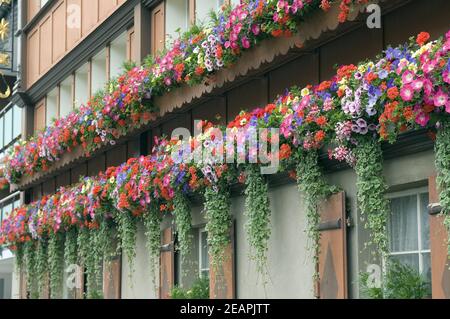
{"x": 257, "y": 211}
{"x": 371, "y": 189}
{"x": 30, "y": 259}
{"x": 126, "y": 231}
{"x": 400, "y": 282}
{"x": 42, "y": 265}
{"x": 217, "y": 213}
{"x": 56, "y": 264}
{"x": 152, "y": 222}
{"x": 314, "y": 188}
{"x": 183, "y": 222}
{"x": 199, "y": 290}
{"x": 70, "y": 247}
{"x": 442, "y": 150}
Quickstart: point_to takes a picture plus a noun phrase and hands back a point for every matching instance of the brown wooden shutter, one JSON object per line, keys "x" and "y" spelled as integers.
{"x": 192, "y": 17}
{"x": 112, "y": 275}
{"x": 332, "y": 267}
{"x": 79, "y": 292}
{"x": 23, "y": 291}
{"x": 158, "y": 27}
{"x": 39, "y": 116}
{"x": 167, "y": 264}
{"x": 440, "y": 266}
{"x": 222, "y": 282}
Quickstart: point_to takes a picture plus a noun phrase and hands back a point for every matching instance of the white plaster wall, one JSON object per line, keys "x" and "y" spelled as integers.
{"x": 139, "y": 285}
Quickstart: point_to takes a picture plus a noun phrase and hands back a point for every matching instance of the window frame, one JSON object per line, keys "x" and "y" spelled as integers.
{"x": 420, "y": 251}
{"x": 202, "y": 230}
{"x": 14, "y": 139}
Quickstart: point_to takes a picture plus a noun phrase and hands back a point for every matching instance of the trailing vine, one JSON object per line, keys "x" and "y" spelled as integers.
{"x": 127, "y": 230}
{"x": 442, "y": 149}
{"x": 31, "y": 271}
{"x": 312, "y": 184}
{"x": 371, "y": 189}
{"x": 71, "y": 247}
{"x": 42, "y": 265}
{"x": 56, "y": 264}
{"x": 217, "y": 212}
{"x": 152, "y": 222}
{"x": 183, "y": 221}
{"x": 257, "y": 211}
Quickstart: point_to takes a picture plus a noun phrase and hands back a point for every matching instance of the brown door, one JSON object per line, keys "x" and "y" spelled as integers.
{"x": 222, "y": 280}
{"x": 158, "y": 29}
{"x": 440, "y": 266}
{"x": 112, "y": 275}
{"x": 167, "y": 264}
{"x": 332, "y": 267}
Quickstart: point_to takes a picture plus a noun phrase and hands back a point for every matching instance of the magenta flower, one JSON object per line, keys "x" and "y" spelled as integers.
{"x": 245, "y": 42}
{"x": 256, "y": 29}
{"x": 417, "y": 85}
{"x": 407, "y": 93}
{"x": 446, "y": 77}
{"x": 422, "y": 118}
{"x": 407, "y": 77}
{"x": 440, "y": 99}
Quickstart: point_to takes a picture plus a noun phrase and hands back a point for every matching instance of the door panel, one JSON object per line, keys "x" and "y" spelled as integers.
{"x": 222, "y": 282}
{"x": 332, "y": 266}
{"x": 440, "y": 266}
{"x": 167, "y": 264}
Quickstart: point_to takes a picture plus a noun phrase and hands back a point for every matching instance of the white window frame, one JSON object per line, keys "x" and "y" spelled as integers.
{"x": 417, "y": 192}
{"x": 200, "y": 253}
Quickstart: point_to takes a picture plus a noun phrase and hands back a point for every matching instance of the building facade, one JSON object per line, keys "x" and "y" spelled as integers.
{"x": 69, "y": 49}
{"x": 10, "y": 125}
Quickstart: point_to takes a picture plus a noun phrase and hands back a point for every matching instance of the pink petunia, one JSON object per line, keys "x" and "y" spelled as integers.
{"x": 408, "y": 77}
{"x": 417, "y": 85}
{"x": 422, "y": 118}
{"x": 407, "y": 93}
{"x": 446, "y": 77}
{"x": 440, "y": 99}
{"x": 429, "y": 67}
{"x": 245, "y": 42}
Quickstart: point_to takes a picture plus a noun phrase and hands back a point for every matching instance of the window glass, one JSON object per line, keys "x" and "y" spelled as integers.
{"x": 176, "y": 18}
{"x": 203, "y": 9}
{"x": 403, "y": 224}
{"x": 8, "y": 126}
{"x": 2, "y": 119}
{"x": 17, "y": 121}
{"x": 52, "y": 106}
{"x": 81, "y": 86}
{"x": 118, "y": 55}
{"x": 204, "y": 257}
{"x": 65, "y": 103}
{"x": 99, "y": 75}
{"x": 409, "y": 231}
{"x": 425, "y": 223}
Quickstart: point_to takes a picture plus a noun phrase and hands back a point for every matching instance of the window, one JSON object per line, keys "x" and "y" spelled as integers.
{"x": 7, "y": 205}
{"x": 118, "y": 55}
{"x": 177, "y": 12}
{"x": 99, "y": 74}
{"x": 203, "y": 9}
{"x": 10, "y": 126}
{"x": 52, "y": 106}
{"x": 409, "y": 230}
{"x": 82, "y": 85}
{"x": 65, "y": 97}
{"x": 203, "y": 259}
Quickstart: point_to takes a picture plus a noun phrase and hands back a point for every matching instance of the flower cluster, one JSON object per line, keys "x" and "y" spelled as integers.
{"x": 355, "y": 104}
{"x": 125, "y": 104}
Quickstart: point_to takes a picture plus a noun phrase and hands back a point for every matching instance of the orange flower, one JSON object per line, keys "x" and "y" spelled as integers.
{"x": 285, "y": 151}
{"x": 422, "y": 38}
{"x": 321, "y": 120}
{"x": 320, "y": 135}
{"x": 392, "y": 93}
